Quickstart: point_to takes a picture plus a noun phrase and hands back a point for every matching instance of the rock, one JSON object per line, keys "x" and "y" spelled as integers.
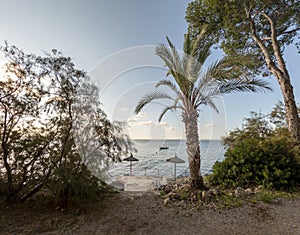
{"x": 205, "y": 194}
{"x": 258, "y": 188}
{"x": 166, "y": 200}
{"x": 239, "y": 192}
{"x": 248, "y": 191}
{"x": 182, "y": 203}
{"x": 174, "y": 195}
{"x": 215, "y": 191}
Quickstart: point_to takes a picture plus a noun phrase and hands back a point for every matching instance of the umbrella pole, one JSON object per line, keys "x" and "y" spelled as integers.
{"x": 175, "y": 172}
{"x": 130, "y": 168}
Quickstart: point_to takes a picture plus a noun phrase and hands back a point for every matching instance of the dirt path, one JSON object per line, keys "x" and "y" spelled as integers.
{"x": 144, "y": 213}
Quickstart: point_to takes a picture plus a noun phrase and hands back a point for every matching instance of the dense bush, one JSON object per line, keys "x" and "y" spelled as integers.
{"x": 271, "y": 162}
{"x": 72, "y": 185}
{"x": 269, "y": 158}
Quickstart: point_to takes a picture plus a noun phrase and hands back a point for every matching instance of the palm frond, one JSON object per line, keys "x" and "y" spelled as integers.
{"x": 208, "y": 100}
{"x": 242, "y": 85}
{"x": 166, "y": 109}
{"x": 197, "y": 51}
{"x": 218, "y": 70}
{"x": 169, "y": 84}
{"x": 175, "y": 63}
{"x": 167, "y": 56}
{"x": 176, "y": 58}
{"x": 148, "y": 98}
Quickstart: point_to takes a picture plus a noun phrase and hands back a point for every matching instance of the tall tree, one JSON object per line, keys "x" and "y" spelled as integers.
{"x": 257, "y": 33}
{"x": 25, "y": 138}
{"x": 45, "y": 103}
{"x": 193, "y": 86}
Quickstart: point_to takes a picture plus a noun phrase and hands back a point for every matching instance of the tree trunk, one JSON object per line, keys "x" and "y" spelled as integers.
{"x": 292, "y": 117}
{"x": 5, "y": 156}
{"x": 277, "y": 67}
{"x": 193, "y": 149}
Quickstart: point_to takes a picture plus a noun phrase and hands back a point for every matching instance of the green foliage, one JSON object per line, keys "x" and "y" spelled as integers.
{"x": 255, "y": 33}
{"x": 259, "y": 156}
{"x": 162, "y": 193}
{"x": 226, "y": 200}
{"x": 256, "y": 126}
{"x": 195, "y": 85}
{"x": 264, "y": 196}
{"x": 229, "y": 24}
{"x": 184, "y": 194}
{"x": 50, "y": 114}
{"x": 72, "y": 184}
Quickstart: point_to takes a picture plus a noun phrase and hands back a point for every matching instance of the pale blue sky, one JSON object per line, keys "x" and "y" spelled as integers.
{"x": 114, "y": 41}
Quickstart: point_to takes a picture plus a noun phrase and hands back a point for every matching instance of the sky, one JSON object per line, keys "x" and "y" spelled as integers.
{"x": 114, "y": 41}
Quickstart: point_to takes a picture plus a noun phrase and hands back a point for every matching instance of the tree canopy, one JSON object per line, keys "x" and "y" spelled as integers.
{"x": 53, "y": 129}
{"x": 235, "y": 23}
{"x": 255, "y": 33}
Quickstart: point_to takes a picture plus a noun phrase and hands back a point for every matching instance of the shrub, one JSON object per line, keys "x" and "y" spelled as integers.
{"x": 73, "y": 184}
{"x": 272, "y": 161}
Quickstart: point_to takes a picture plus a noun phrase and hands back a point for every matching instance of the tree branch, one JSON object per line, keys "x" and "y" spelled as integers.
{"x": 267, "y": 39}
{"x": 275, "y": 45}
{"x": 290, "y": 31}
{"x": 270, "y": 63}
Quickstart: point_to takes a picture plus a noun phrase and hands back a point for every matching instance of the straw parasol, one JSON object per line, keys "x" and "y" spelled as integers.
{"x": 131, "y": 159}
{"x": 175, "y": 160}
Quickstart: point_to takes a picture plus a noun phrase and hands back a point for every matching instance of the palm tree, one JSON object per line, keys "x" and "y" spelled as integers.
{"x": 193, "y": 86}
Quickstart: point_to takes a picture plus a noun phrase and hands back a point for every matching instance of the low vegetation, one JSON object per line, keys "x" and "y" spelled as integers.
{"x": 259, "y": 154}
{"x": 262, "y": 164}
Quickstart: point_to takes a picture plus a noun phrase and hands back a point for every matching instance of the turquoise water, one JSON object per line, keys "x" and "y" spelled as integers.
{"x": 152, "y": 161}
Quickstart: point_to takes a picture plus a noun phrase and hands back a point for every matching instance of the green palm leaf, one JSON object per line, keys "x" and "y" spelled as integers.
{"x": 243, "y": 85}
{"x": 148, "y": 98}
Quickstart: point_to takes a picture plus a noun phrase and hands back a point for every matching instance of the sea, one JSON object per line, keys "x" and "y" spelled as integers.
{"x": 152, "y": 160}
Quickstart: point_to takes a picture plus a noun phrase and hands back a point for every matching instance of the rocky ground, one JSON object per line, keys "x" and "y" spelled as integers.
{"x": 146, "y": 213}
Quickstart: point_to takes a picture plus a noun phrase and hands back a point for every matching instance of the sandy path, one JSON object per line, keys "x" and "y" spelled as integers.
{"x": 144, "y": 213}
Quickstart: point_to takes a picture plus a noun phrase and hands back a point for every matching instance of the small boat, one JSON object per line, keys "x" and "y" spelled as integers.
{"x": 163, "y": 147}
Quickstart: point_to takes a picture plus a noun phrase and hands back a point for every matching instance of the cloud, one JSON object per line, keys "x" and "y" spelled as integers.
{"x": 139, "y": 118}
{"x": 140, "y": 123}
{"x": 210, "y": 125}
{"x": 142, "y": 115}
{"x": 147, "y": 123}
{"x": 163, "y": 124}
{"x": 123, "y": 109}
{"x": 131, "y": 120}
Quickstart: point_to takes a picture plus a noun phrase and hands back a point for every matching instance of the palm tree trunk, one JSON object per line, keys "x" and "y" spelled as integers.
{"x": 193, "y": 149}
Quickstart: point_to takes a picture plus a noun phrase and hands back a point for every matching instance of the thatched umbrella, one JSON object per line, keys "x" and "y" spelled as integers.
{"x": 131, "y": 159}
{"x": 175, "y": 160}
